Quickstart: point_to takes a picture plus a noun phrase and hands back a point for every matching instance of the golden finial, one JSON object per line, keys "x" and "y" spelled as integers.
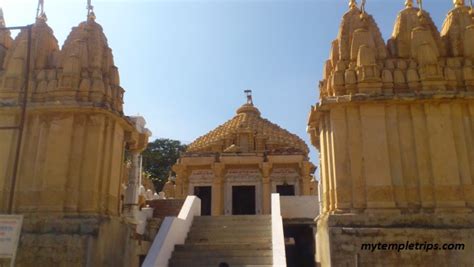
{"x": 249, "y": 96}
{"x": 458, "y": 3}
{"x": 40, "y": 10}
{"x": 362, "y": 6}
{"x": 409, "y": 3}
{"x": 352, "y": 4}
{"x": 90, "y": 11}
{"x": 420, "y": 6}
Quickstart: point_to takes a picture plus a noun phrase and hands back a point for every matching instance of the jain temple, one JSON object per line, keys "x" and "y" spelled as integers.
{"x": 393, "y": 124}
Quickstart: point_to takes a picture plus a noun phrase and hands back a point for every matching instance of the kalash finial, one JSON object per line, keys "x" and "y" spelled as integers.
{"x": 249, "y": 97}
{"x": 40, "y": 15}
{"x": 420, "y": 6}
{"x": 363, "y": 14}
{"x": 90, "y": 11}
{"x": 409, "y": 3}
{"x": 458, "y": 3}
{"x": 352, "y": 4}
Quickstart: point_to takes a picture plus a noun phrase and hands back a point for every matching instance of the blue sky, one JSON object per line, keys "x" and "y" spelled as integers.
{"x": 184, "y": 64}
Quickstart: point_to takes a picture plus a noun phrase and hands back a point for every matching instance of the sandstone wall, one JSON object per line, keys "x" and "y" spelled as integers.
{"x": 409, "y": 154}
{"x": 340, "y": 239}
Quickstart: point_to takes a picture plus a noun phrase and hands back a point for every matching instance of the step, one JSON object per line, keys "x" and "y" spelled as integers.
{"x": 231, "y": 239}
{"x": 237, "y": 246}
{"x": 231, "y": 231}
{"x": 183, "y": 254}
{"x": 232, "y": 222}
{"x": 214, "y": 261}
{"x": 206, "y": 265}
{"x": 234, "y": 218}
{"x": 221, "y": 240}
{"x": 234, "y": 229}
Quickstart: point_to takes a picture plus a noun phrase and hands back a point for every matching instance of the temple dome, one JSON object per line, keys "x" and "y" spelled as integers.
{"x": 248, "y": 132}
{"x": 88, "y": 44}
{"x": 5, "y": 39}
{"x": 44, "y": 50}
{"x": 349, "y": 42}
{"x": 88, "y": 66}
{"x": 457, "y": 29}
{"x": 402, "y": 43}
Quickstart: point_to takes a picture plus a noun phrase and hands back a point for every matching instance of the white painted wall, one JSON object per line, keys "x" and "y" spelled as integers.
{"x": 278, "y": 239}
{"x": 173, "y": 231}
{"x": 299, "y": 207}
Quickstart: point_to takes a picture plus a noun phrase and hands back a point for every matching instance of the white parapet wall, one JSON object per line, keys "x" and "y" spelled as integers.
{"x": 299, "y": 207}
{"x": 278, "y": 239}
{"x": 173, "y": 231}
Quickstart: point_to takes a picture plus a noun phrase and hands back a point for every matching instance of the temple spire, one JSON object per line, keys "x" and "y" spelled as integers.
{"x": 420, "y": 6}
{"x": 2, "y": 19}
{"x": 40, "y": 10}
{"x": 458, "y": 3}
{"x": 362, "y": 6}
{"x": 90, "y": 10}
{"x": 352, "y": 4}
{"x": 249, "y": 97}
{"x": 409, "y": 3}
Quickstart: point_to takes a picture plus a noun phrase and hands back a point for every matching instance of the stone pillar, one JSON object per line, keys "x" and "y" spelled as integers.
{"x": 133, "y": 186}
{"x": 305, "y": 183}
{"x": 266, "y": 169}
{"x": 217, "y": 189}
{"x": 181, "y": 180}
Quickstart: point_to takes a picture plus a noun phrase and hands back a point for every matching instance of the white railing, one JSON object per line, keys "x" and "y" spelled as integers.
{"x": 173, "y": 231}
{"x": 278, "y": 239}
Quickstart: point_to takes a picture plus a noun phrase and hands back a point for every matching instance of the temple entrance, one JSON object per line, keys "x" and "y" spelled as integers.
{"x": 205, "y": 194}
{"x": 243, "y": 200}
{"x": 299, "y": 245}
{"x": 286, "y": 190}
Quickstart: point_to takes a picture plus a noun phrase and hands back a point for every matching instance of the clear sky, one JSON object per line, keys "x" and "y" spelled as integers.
{"x": 184, "y": 64}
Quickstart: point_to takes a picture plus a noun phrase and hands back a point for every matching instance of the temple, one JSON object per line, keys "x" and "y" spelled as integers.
{"x": 235, "y": 167}
{"x": 69, "y": 150}
{"x": 395, "y": 126}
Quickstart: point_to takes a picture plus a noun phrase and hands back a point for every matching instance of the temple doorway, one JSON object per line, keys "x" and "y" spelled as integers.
{"x": 299, "y": 245}
{"x": 243, "y": 200}
{"x": 205, "y": 194}
{"x": 286, "y": 190}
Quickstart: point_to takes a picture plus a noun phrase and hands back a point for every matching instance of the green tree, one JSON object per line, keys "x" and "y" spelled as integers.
{"x": 159, "y": 157}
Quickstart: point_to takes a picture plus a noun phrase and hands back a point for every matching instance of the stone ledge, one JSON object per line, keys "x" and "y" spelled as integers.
{"x": 440, "y": 221}
{"x": 396, "y": 98}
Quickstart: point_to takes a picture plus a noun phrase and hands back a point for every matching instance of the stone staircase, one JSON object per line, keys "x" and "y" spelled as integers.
{"x": 239, "y": 240}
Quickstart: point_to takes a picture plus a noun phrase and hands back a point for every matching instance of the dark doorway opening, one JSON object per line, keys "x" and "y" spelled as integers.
{"x": 286, "y": 190}
{"x": 205, "y": 194}
{"x": 243, "y": 200}
{"x": 299, "y": 245}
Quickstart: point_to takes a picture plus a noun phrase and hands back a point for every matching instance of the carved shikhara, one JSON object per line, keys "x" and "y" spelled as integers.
{"x": 82, "y": 72}
{"x": 417, "y": 58}
{"x": 395, "y": 129}
{"x": 380, "y": 105}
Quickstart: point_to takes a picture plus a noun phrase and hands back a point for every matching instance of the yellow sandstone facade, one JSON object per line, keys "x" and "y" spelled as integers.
{"x": 73, "y": 147}
{"x": 235, "y": 168}
{"x": 395, "y": 129}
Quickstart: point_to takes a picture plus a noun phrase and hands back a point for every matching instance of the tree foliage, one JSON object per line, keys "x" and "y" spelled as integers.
{"x": 159, "y": 157}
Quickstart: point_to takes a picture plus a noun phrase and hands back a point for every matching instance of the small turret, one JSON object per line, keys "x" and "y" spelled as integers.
{"x": 88, "y": 66}
{"x": 5, "y": 39}
{"x": 44, "y": 54}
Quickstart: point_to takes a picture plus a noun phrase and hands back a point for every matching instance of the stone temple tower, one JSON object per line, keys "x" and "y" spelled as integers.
{"x": 395, "y": 129}
{"x": 75, "y": 137}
